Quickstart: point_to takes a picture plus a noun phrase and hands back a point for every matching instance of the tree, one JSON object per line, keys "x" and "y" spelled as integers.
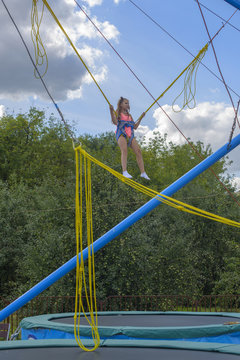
{"x": 166, "y": 252}
{"x": 32, "y": 148}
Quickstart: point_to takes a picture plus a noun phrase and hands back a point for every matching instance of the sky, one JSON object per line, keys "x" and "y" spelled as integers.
{"x": 155, "y": 54}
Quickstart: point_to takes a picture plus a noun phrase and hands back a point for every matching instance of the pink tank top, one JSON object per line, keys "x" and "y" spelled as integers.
{"x": 128, "y": 130}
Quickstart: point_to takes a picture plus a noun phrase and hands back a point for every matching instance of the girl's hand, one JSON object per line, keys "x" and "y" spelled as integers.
{"x": 113, "y": 115}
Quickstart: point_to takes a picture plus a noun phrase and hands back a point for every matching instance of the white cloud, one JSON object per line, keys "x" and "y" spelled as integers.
{"x": 66, "y": 74}
{"x": 1, "y": 110}
{"x": 236, "y": 182}
{"x": 74, "y": 94}
{"x": 90, "y": 55}
{"x": 87, "y": 79}
{"x": 93, "y": 2}
{"x": 208, "y": 122}
{"x": 99, "y": 77}
{"x": 214, "y": 91}
{"x": 109, "y": 30}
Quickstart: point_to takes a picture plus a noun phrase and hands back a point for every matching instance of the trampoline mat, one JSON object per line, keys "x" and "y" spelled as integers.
{"x": 154, "y": 320}
{"x": 75, "y": 353}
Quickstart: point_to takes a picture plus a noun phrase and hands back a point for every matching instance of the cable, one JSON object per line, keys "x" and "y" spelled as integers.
{"x": 74, "y": 48}
{"x": 233, "y": 126}
{"x": 129, "y": 69}
{"x": 215, "y": 55}
{"x": 234, "y": 27}
{"x": 173, "y": 38}
{"x": 189, "y": 69}
{"x": 187, "y": 140}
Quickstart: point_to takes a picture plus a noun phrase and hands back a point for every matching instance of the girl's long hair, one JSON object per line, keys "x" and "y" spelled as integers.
{"x": 118, "y": 111}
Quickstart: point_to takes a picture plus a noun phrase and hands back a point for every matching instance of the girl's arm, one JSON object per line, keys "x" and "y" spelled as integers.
{"x": 113, "y": 115}
{"x": 137, "y": 123}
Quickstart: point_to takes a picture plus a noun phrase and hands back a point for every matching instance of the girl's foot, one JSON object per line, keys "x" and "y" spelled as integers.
{"x": 127, "y": 175}
{"x": 144, "y": 175}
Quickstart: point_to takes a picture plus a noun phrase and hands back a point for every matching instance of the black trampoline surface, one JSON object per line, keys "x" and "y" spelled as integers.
{"x": 152, "y": 320}
{"x": 114, "y": 353}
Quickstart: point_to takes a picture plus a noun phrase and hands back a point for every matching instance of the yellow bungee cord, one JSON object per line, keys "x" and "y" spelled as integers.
{"x": 179, "y": 205}
{"x": 190, "y": 69}
{"x": 39, "y": 50}
{"x": 194, "y": 64}
{"x": 74, "y": 48}
{"x": 81, "y": 281}
{"x": 189, "y": 89}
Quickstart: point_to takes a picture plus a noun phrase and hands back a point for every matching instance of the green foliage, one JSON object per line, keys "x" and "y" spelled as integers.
{"x": 166, "y": 252}
{"x": 229, "y": 278}
{"x": 32, "y": 148}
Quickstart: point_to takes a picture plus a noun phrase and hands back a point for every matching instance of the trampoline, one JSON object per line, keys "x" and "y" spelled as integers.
{"x": 117, "y": 350}
{"x": 180, "y": 326}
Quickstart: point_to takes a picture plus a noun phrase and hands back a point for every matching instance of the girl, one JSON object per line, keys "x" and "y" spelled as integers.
{"x": 125, "y": 135}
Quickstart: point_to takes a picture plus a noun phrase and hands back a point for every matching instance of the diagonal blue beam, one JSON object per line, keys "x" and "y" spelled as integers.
{"x": 235, "y": 3}
{"x": 118, "y": 229}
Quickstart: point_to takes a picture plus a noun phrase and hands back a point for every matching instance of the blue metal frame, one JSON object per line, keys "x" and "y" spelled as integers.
{"x": 235, "y": 3}
{"x": 118, "y": 229}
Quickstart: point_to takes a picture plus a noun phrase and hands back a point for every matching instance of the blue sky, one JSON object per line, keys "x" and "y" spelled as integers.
{"x": 151, "y": 53}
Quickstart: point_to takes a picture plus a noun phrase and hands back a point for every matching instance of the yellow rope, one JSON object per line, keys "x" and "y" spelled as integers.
{"x": 74, "y": 48}
{"x": 39, "y": 50}
{"x": 81, "y": 281}
{"x": 188, "y": 94}
{"x": 161, "y": 197}
{"x": 191, "y": 66}
{"x": 190, "y": 69}
{"x": 190, "y": 78}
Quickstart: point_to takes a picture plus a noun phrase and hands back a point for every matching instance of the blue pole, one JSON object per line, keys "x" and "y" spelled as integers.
{"x": 118, "y": 229}
{"x": 235, "y": 3}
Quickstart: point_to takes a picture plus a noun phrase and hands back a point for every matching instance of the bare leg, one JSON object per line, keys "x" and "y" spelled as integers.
{"x": 122, "y": 142}
{"x": 138, "y": 153}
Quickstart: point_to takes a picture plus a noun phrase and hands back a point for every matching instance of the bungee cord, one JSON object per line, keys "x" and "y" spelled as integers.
{"x": 175, "y": 125}
{"x": 177, "y": 204}
{"x": 190, "y": 77}
{"x": 190, "y": 68}
{"x": 39, "y": 50}
{"x": 72, "y": 135}
{"x": 178, "y": 42}
{"x": 74, "y": 48}
{"x": 83, "y": 161}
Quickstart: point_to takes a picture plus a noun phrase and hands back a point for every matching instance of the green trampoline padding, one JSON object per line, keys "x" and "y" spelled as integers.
{"x": 50, "y": 321}
{"x": 155, "y": 344}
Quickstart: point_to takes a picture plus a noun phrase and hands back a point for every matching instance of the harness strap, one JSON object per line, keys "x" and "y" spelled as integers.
{"x": 122, "y": 124}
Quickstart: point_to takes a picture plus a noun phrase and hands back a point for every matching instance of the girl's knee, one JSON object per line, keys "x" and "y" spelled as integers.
{"x": 138, "y": 152}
